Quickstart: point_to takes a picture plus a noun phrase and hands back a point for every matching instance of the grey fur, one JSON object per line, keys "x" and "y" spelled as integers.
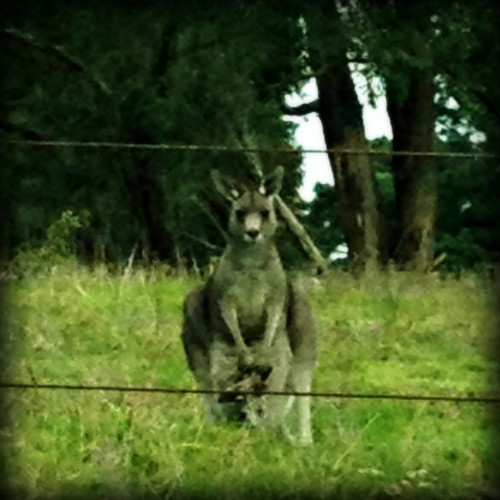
{"x": 250, "y": 328}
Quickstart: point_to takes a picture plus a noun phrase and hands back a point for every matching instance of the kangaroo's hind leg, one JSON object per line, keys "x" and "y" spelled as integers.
{"x": 300, "y": 380}
{"x": 301, "y": 331}
{"x": 273, "y": 407}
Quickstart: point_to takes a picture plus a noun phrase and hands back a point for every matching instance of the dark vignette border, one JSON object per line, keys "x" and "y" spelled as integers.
{"x": 251, "y": 491}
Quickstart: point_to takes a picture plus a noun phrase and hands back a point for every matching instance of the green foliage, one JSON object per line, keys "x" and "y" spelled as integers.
{"x": 468, "y": 208}
{"x": 399, "y": 333}
{"x": 323, "y": 219}
{"x": 171, "y": 78}
{"x": 61, "y": 234}
{"x": 58, "y": 249}
{"x": 461, "y": 250}
{"x": 198, "y": 74}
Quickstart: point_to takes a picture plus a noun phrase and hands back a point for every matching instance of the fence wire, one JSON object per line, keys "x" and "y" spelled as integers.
{"x": 182, "y": 391}
{"x": 223, "y": 148}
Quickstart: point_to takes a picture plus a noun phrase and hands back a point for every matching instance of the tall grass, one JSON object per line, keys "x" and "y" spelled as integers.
{"x": 397, "y": 333}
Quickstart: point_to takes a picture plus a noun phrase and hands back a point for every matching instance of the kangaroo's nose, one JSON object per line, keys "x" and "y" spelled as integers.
{"x": 253, "y": 233}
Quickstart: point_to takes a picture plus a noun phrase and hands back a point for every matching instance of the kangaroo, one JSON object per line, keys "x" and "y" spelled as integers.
{"x": 249, "y": 328}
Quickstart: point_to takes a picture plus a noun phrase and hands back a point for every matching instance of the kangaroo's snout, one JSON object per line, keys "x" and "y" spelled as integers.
{"x": 252, "y": 226}
{"x": 253, "y": 233}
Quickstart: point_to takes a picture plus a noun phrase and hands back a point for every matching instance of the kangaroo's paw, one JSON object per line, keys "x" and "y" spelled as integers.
{"x": 245, "y": 360}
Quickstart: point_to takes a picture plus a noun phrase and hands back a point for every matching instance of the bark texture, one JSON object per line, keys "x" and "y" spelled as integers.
{"x": 412, "y": 115}
{"x": 340, "y": 113}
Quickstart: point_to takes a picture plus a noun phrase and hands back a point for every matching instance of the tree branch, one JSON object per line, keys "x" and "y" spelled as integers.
{"x": 201, "y": 241}
{"x": 301, "y": 109}
{"x": 301, "y": 234}
{"x": 58, "y": 52}
{"x": 312, "y": 106}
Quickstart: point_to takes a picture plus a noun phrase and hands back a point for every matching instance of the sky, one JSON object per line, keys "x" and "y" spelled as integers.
{"x": 309, "y": 134}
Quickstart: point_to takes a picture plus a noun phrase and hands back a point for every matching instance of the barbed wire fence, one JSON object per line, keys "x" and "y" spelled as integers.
{"x": 34, "y": 385}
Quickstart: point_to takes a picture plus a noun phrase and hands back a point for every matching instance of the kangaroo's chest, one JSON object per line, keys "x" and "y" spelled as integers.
{"x": 250, "y": 296}
{"x": 253, "y": 295}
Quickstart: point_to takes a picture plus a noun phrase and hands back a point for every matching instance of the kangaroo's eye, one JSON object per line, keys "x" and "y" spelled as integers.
{"x": 240, "y": 215}
{"x": 265, "y": 214}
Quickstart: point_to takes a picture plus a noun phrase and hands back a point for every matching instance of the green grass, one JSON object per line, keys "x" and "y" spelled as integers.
{"x": 399, "y": 334}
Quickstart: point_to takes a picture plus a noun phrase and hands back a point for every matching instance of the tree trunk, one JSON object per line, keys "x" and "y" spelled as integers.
{"x": 412, "y": 120}
{"x": 149, "y": 197}
{"x": 147, "y": 200}
{"x": 340, "y": 113}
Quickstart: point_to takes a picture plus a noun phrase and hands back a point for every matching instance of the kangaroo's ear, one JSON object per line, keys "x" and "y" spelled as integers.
{"x": 225, "y": 186}
{"x": 273, "y": 182}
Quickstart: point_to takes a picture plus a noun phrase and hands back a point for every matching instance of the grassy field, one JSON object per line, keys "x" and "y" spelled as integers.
{"x": 398, "y": 334}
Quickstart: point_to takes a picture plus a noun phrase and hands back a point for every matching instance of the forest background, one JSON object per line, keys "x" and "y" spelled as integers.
{"x": 205, "y": 75}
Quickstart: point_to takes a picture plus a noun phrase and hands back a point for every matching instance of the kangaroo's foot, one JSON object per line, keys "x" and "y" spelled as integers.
{"x": 301, "y": 441}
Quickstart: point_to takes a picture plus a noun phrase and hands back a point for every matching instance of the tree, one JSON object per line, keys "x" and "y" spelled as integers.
{"x": 163, "y": 75}
{"x": 360, "y": 203}
{"x": 410, "y": 104}
{"x": 135, "y": 75}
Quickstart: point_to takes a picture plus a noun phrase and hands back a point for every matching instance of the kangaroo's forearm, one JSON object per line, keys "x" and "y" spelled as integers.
{"x": 273, "y": 320}
{"x": 231, "y": 319}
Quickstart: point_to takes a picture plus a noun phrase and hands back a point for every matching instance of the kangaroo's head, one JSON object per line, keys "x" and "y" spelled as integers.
{"x": 252, "y": 218}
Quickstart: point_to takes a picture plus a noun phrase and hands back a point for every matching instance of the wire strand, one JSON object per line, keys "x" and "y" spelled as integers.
{"x": 222, "y": 148}
{"x": 183, "y": 391}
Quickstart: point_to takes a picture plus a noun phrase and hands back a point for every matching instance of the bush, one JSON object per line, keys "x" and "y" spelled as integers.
{"x": 57, "y": 250}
